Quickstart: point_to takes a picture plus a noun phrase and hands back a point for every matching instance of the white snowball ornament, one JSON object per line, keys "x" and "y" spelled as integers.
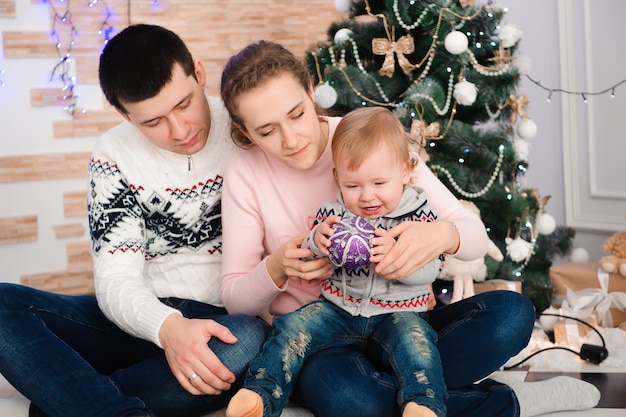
{"x": 527, "y": 129}
{"x": 522, "y": 149}
{"x": 547, "y": 322}
{"x": 509, "y": 35}
{"x": 518, "y": 249}
{"x": 325, "y": 95}
{"x": 523, "y": 64}
{"x": 456, "y": 42}
{"x": 545, "y": 224}
{"x": 342, "y": 36}
{"x": 465, "y": 93}
{"x": 579, "y": 255}
{"x": 343, "y": 6}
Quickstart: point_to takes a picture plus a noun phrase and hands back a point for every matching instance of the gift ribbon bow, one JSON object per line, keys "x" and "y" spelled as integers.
{"x": 582, "y": 303}
{"x": 404, "y": 45}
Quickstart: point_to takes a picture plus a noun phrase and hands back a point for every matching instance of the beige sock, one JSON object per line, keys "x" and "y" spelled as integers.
{"x": 561, "y": 393}
{"x": 245, "y": 403}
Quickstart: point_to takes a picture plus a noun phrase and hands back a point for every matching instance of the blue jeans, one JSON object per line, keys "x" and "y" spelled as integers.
{"x": 64, "y": 355}
{"x": 476, "y": 337}
{"x": 408, "y": 346}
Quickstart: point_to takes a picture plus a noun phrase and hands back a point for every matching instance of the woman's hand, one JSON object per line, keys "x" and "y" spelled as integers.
{"x": 417, "y": 243}
{"x": 287, "y": 262}
{"x": 195, "y": 366}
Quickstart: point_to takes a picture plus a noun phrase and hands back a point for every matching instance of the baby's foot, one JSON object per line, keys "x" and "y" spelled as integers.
{"x": 245, "y": 403}
{"x": 416, "y": 410}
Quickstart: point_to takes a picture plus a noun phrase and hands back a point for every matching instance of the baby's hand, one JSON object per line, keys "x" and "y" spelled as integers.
{"x": 381, "y": 244}
{"x": 323, "y": 232}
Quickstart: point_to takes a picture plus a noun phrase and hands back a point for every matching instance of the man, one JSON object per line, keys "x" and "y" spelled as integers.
{"x": 156, "y": 339}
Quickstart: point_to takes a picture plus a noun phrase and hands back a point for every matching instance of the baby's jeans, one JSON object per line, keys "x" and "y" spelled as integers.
{"x": 407, "y": 344}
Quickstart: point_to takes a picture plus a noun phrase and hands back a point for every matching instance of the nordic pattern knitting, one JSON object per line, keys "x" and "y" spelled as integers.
{"x": 111, "y": 209}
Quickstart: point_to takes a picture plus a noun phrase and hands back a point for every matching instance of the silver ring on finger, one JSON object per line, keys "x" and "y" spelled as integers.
{"x": 193, "y": 376}
{"x": 300, "y": 276}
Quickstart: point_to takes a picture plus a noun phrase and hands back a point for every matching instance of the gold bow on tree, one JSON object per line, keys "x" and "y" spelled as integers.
{"x": 420, "y": 133}
{"x": 518, "y": 105}
{"x": 404, "y": 45}
{"x": 465, "y": 3}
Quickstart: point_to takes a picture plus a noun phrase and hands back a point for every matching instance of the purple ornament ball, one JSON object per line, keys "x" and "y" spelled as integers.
{"x": 351, "y": 243}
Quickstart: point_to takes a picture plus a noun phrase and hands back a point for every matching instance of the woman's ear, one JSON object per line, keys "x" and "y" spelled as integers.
{"x": 241, "y": 129}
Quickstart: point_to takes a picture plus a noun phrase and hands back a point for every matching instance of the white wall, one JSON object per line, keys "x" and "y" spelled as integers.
{"x": 539, "y": 20}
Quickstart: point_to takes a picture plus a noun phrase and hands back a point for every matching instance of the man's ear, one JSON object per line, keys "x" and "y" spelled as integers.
{"x": 200, "y": 73}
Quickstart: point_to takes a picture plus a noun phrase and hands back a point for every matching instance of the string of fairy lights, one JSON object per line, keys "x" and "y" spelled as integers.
{"x": 64, "y": 33}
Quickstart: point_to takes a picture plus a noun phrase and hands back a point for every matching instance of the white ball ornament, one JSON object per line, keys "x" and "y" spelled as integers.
{"x": 325, "y": 96}
{"x": 523, "y": 64}
{"x": 456, "y": 42}
{"x": 545, "y": 224}
{"x": 522, "y": 149}
{"x": 465, "y": 93}
{"x": 342, "y": 36}
{"x": 527, "y": 129}
{"x": 547, "y": 322}
{"x": 343, "y": 6}
{"x": 579, "y": 255}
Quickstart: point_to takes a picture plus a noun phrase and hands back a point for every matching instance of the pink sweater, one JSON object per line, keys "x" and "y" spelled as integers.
{"x": 265, "y": 204}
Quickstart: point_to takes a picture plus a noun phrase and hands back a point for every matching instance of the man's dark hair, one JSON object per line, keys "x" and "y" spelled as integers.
{"x": 138, "y": 62}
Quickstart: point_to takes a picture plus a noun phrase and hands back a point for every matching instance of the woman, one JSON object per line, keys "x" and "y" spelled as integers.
{"x": 273, "y": 187}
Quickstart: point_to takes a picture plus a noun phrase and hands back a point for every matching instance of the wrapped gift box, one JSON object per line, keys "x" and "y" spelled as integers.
{"x": 571, "y": 331}
{"x": 497, "y": 284}
{"x": 580, "y": 277}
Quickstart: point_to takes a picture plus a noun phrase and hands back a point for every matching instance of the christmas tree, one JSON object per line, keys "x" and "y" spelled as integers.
{"x": 448, "y": 69}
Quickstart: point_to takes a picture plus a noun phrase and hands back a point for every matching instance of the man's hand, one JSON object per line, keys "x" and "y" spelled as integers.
{"x": 194, "y": 365}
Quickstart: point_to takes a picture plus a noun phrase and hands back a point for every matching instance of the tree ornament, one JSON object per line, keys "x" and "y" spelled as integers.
{"x": 523, "y": 64}
{"x": 420, "y": 133}
{"x": 465, "y": 3}
{"x": 389, "y": 48}
{"x": 351, "y": 243}
{"x": 501, "y": 57}
{"x": 522, "y": 149}
{"x": 545, "y": 224}
{"x": 465, "y": 92}
{"x": 518, "y": 249}
{"x": 579, "y": 255}
{"x": 342, "y": 36}
{"x": 343, "y": 6}
{"x": 456, "y": 42}
{"x": 518, "y": 106}
{"x": 527, "y": 129}
{"x": 325, "y": 95}
{"x": 509, "y": 36}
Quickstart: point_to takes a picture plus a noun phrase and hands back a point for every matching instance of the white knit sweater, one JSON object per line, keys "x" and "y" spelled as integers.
{"x": 155, "y": 223}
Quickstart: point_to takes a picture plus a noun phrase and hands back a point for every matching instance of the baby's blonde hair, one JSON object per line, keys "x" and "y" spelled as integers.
{"x": 362, "y": 131}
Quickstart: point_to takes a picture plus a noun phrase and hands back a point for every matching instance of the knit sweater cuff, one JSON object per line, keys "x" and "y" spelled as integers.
{"x": 151, "y": 321}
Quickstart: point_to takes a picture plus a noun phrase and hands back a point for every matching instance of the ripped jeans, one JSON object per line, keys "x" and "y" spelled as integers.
{"x": 408, "y": 345}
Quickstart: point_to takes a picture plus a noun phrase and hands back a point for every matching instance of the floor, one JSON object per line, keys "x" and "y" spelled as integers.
{"x": 609, "y": 376}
